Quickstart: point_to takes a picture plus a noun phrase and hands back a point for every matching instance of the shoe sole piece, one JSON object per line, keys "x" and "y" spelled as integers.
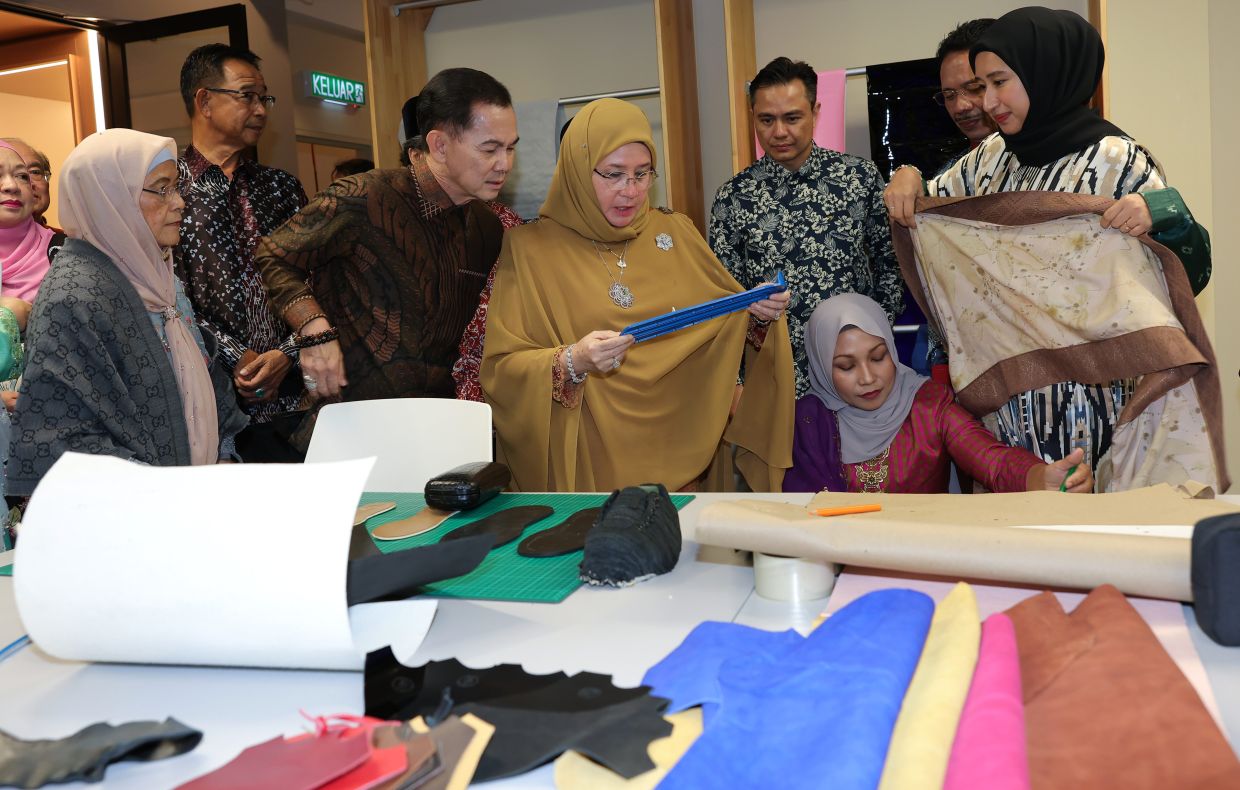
{"x": 506, "y": 525}
{"x": 564, "y": 538}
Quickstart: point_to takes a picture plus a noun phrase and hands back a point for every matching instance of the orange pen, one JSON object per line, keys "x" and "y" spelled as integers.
{"x": 847, "y": 510}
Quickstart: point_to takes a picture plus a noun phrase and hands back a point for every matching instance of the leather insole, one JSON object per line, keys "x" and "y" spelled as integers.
{"x": 506, "y": 525}
{"x": 564, "y": 538}
{"x": 371, "y": 510}
{"x": 424, "y": 520}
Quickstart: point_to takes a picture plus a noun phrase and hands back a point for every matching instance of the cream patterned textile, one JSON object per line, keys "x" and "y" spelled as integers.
{"x": 1028, "y": 290}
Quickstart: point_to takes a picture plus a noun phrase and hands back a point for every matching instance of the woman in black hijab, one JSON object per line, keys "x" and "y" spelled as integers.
{"x": 1040, "y": 68}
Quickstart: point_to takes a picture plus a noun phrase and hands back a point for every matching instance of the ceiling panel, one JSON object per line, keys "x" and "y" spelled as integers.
{"x": 14, "y": 27}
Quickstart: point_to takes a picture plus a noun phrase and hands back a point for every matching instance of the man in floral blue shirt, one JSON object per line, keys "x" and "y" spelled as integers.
{"x": 812, "y": 213}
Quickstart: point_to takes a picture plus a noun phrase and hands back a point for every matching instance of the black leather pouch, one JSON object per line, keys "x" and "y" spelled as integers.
{"x": 1216, "y": 577}
{"x": 467, "y": 486}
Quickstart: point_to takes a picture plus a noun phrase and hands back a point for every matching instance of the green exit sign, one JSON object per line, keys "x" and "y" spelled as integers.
{"x": 336, "y": 89}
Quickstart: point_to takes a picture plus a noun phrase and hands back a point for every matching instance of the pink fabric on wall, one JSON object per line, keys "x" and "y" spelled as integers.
{"x": 989, "y": 750}
{"x": 829, "y": 130}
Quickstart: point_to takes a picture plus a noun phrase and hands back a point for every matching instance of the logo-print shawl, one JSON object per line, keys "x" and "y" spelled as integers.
{"x": 1027, "y": 290}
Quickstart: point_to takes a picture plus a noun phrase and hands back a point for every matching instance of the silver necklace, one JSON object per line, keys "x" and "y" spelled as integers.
{"x": 619, "y": 292}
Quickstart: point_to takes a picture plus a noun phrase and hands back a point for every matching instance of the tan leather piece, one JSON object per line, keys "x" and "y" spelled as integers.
{"x": 461, "y": 742}
{"x": 419, "y": 749}
{"x": 370, "y": 511}
{"x": 574, "y": 771}
{"x": 1105, "y": 706}
{"x": 424, "y": 520}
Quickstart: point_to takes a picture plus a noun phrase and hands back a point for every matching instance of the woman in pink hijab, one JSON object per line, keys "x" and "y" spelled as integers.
{"x": 116, "y": 363}
{"x": 25, "y": 245}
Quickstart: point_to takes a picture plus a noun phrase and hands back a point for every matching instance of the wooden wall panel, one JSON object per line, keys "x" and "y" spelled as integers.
{"x": 682, "y": 171}
{"x": 738, "y": 32}
{"x": 395, "y": 70}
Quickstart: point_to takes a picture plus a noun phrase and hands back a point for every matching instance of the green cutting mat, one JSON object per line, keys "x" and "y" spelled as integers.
{"x": 504, "y": 575}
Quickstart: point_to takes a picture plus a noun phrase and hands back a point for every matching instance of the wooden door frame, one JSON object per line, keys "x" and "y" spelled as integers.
{"x": 114, "y": 68}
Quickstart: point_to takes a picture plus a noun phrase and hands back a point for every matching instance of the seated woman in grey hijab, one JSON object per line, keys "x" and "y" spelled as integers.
{"x": 117, "y": 365}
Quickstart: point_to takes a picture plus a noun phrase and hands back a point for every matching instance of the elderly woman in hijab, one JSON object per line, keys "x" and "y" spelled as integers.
{"x": 871, "y": 424}
{"x": 577, "y": 406}
{"x": 1040, "y": 68}
{"x": 117, "y": 365}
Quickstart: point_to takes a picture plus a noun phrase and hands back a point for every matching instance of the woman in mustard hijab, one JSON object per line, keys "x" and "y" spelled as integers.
{"x": 577, "y": 406}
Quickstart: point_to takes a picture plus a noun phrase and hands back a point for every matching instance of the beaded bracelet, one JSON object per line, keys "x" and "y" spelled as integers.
{"x": 568, "y": 365}
{"x": 318, "y": 338}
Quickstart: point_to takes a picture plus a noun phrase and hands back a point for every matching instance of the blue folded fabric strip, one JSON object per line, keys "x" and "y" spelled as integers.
{"x": 679, "y": 319}
{"x": 816, "y": 711}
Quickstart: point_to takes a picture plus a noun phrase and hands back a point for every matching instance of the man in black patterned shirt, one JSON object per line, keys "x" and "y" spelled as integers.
{"x": 231, "y": 202}
{"x": 812, "y": 213}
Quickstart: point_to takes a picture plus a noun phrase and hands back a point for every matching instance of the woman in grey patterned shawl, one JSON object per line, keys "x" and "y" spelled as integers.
{"x": 116, "y": 363}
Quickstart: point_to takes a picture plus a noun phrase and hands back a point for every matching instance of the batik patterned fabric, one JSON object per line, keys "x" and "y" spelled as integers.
{"x": 395, "y": 266}
{"x": 465, "y": 371}
{"x": 1062, "y": 416}
{"x": 1030, "y": 292}
{"x": 223, "y": 222}
{"x": 824, "y": 226}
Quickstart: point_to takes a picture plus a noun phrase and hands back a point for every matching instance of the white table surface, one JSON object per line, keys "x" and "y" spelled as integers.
{"x": 618, "y": 632}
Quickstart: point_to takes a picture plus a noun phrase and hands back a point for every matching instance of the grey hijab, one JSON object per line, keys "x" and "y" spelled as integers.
{"x": 863, "y": 434}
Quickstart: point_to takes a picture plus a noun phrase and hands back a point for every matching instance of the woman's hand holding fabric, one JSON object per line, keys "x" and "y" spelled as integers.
{"x": 772, "y": 308}
{"x": 600, "y": 352}
{"x": 1051, "y": 477}
{"x": 1130, "y": 214}
{"x": 901, "y": 195}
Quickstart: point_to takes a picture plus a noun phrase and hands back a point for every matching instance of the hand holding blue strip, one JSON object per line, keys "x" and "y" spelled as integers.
{"x": 681, "y": 319}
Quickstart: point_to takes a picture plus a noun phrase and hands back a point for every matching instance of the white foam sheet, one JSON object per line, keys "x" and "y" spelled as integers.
{"x": 228, "y": 565}
{"x": 402, "y": 625}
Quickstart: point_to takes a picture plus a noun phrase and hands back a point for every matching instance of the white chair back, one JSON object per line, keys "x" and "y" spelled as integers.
{"x": 413, "y": 439}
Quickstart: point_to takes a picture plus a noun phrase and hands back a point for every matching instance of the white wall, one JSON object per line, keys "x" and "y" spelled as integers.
{"x": 714, "y": 115}
{"x": 1179, "y": 134}
{"x": 317, "y": 47}
{"x": 551, "y": 49}
{"x": 840, "y": 34}
{"x": 1223, "y": 22}
{"x": 266, "y": 23}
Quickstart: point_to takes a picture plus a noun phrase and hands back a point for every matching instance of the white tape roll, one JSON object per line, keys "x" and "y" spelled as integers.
{"x": 792, "y": 578}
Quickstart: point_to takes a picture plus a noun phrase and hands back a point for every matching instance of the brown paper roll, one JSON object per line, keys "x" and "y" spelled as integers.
{"x": 978, "y": 537}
